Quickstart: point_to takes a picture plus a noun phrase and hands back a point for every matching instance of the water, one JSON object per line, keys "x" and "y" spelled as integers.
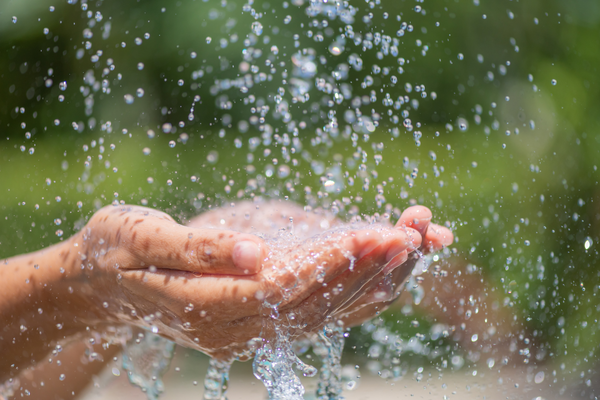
{"x": 329, "y": 348}
{"x": 216, "y": 380}
{"x": 146, "y": 359}
{"x": 320, "y": 101}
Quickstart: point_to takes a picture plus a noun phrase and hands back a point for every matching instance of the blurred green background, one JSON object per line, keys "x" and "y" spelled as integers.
{"x": 506, "y": 152}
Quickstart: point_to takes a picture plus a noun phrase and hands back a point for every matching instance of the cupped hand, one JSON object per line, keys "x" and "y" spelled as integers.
{"x": 382, "y": 290}
{"x": 435, "y": 238}
{"x": 212, "y": 289}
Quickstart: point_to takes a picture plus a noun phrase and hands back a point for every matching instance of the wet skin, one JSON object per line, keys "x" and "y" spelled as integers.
{"x": 204, "y": 285}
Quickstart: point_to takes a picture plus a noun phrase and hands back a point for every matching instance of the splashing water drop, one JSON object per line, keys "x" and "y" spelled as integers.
{"x": 273, "y": 366}
{"x": 329, "y": 348}
{"x": 257, "y": 28}
{"x": 336, "y": 49}
{"x": 216, "y": 380}
{"x": 147, "y": 361}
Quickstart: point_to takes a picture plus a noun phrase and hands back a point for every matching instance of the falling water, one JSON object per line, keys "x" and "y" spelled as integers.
{"x": 216, "y": 380}
{"x": 340, "y": 76}
{"x": 146, "y": 359}
{"x": 329, "y": 347}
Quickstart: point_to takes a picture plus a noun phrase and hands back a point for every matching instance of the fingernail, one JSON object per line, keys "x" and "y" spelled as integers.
{"x": 246, "y": 257}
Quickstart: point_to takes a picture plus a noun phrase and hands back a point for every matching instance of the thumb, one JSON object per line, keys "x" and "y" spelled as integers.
{"x": 152, "y": 239}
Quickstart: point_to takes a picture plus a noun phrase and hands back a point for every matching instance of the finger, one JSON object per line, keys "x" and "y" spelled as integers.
{"x": 387, "y": 285}
{"x": 416, "y": 217}
{"x": 168, "y": 245}
{"x": 213, "y": 297}
{"x": 351, "y": 252}
{"x": 324, "y": 302}
{"x": 437, "y": 237}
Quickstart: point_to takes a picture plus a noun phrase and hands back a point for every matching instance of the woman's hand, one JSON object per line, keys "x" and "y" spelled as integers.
{"x": 196, "y": 287}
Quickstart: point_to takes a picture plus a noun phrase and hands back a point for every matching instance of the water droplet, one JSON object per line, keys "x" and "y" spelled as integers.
{"x": 128, "y": 98}
{"x": 146, "y": 151}
{"x": 171, "y": 143}
{"x": 336, "y": 49}
{"x": 212, "y": 157}
{"x": 62, "y": 86}
{"x": 539, "y": 377}
{"x": 554, "y": 82}
{"x": 588, "y": 243}
{"x": 14, "y": 20}
{"x": 166, "y": 127}
{"x": 257, "y": 28}
{"x": 461, "y": 56}
{"x": 169, "y": 182}
{"x": 139, "y": 92}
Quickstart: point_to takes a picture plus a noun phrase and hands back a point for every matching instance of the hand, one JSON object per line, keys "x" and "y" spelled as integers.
{"x": 198, "y": 288}
{"x": 436, "y": 237}
{"x": 274, "y": 216}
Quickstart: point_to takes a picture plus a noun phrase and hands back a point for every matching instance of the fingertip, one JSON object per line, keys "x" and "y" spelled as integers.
{"x": 246, "y": 257}
{"x": 362, "y": 243}
{"x": 414, "y": 238}
{"x": 439, "y": 236}
{"x": 417, "y": 217}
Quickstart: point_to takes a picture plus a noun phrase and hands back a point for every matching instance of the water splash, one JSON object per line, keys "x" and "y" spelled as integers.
{"x": 329, "y": 347}
{"x": 273, "y": 365}
{"x": 8, "y": 388}
{"x": 216, "y": 380}
{"x": 146, "y": 360}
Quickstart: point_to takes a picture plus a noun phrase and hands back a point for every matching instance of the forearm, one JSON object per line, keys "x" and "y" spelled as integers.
{"x": 40, "y": 304}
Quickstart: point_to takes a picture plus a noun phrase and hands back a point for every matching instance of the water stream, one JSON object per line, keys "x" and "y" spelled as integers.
{"x": 146, "y": 359}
